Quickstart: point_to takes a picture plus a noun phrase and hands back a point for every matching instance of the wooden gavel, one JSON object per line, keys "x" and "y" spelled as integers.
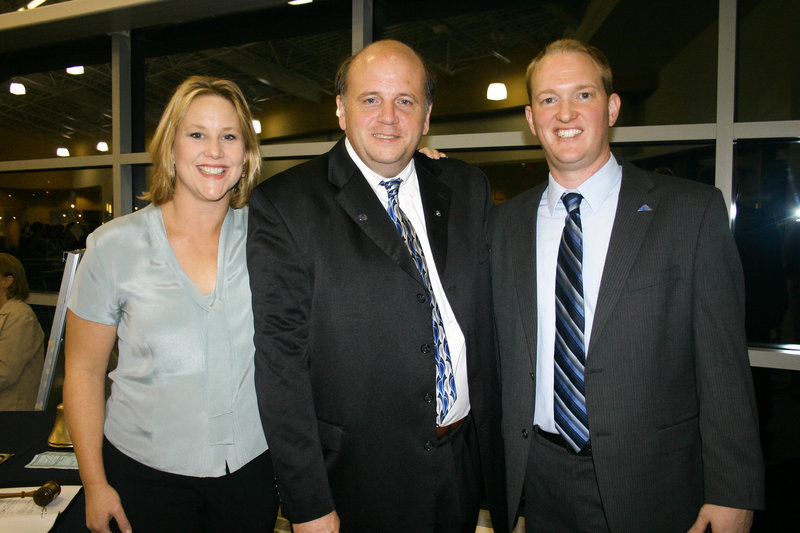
{"x": 41, "y": 496}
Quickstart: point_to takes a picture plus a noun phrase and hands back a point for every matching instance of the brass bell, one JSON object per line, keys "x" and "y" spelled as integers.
{"x": 59, "y": 437}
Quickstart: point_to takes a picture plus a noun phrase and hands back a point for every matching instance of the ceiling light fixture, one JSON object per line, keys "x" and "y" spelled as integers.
{"x": 299, "y": 2}
{"x": 33, "y": 4}
{"x": 16, "y": 88}
{"x": 496, "y": 91}
{"x": 257, "y": 126}
{"x": 76, "y": 70}
{"x": 62, "y": 152}
{"x": 102, "y": 146}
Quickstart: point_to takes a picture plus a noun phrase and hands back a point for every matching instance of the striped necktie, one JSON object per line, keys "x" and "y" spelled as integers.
{"x": 570, "y": 354}
{"x": 445, "y": 379}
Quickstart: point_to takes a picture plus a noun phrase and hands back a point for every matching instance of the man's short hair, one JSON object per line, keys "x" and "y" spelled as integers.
{"x": 344, "y": 69}
{"x": 563, "y": 46}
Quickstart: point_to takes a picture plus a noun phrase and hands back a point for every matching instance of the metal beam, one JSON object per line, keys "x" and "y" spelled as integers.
{"x": 726, "y": 98}
{"x": 362, "y": 24}
{"x": 122, "y": 175}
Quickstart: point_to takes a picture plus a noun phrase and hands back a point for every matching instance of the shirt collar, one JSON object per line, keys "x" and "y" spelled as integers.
{"x": 594, "y": 190}
{"x": 373, "y": 178}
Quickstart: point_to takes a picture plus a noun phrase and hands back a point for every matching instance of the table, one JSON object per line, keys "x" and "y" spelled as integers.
{"x": 24, "y": 433}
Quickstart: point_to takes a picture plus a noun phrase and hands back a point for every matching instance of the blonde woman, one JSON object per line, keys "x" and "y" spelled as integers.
{"x": 178, "y": 446}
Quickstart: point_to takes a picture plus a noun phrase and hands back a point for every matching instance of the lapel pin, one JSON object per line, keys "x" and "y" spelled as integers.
{"x": 362, "y": 217}
{"x": 437, "y": 213}
{"x": 645, "y": 207}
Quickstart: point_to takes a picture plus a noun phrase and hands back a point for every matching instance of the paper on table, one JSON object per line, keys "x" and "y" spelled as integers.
{"x": 21, "y": 515}
{"x": 63, "y": 460}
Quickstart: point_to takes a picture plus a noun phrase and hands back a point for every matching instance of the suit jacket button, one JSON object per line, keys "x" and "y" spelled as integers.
{"x": 425, "y": 348}
{"x": 533, "y": 375}
{"x": 421, "y": 298}
{"x": 428, "y": 446}
{"x": 524, "y": 433}
{"x": 428, "y": 398}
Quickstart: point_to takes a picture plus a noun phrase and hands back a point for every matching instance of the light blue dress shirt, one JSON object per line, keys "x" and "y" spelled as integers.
{"x": 183, "y": 396}
{"x": 598, "y": 208}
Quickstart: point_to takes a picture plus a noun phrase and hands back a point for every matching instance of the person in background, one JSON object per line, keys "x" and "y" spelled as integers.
{"x": 619, "y": 305}
{"x": 21, "y": 340}
{"x": 179, "y": 445}
{"x": 375, "y": 365}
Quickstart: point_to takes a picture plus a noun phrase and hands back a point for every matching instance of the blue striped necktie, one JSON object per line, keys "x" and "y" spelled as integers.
{"x": 570, "y": 354}
{"x": 445, "y": 379}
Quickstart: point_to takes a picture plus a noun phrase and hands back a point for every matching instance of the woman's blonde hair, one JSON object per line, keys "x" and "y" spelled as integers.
{"x": 10, "y": 266}
{"x": 162, "y": 186}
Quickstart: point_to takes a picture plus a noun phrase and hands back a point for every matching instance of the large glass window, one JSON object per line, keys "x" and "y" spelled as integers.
{"x": 43, "y": 214}
{"x": 512, "y": 172}
{"x": 472, "y": 44}
{"x": 56, "y": 104}
{"x": 284, "y": 59}
{"x": 767, "y": 230}
{"x": 768, "y": 60}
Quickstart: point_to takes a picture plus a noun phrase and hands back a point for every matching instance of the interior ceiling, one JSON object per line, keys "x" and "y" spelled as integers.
{"x": 274, "y": 53}
{"x": 13, "y": 5}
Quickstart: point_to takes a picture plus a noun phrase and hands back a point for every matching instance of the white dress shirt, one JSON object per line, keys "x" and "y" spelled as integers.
{"x": 410, "y": 202}
{"x": 599, "y": 205}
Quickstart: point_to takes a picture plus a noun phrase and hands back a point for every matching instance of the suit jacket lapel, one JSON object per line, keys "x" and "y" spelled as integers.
{"x": 524, "y": 266}
{"x": 627, "y": 235}
{"x": 360, "y": 203}
{"x": 436, "y": 207}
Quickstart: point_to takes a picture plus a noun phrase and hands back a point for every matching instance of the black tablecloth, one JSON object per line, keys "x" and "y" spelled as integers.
{"x": 24, "y": 433}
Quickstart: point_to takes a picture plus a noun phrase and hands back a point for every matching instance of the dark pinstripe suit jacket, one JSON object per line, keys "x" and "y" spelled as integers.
{"x": 668, "y": 386}
{"x": 344, "y": 380}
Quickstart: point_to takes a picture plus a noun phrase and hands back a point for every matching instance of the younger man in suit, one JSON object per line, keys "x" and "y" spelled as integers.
{"x": 375, "y": 368}
{"x": 618, "y": 297}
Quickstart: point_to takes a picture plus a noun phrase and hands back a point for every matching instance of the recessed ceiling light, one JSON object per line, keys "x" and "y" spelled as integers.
{"x": 299, "y": 2}
{"x": 75, "y": 71}
{"x": 16, "y": 88}
{"x": 496, "y": 91}
{"x": 62, "y": 152}
{"x": 102, "y": 146}
{"x": 257, "y": 126}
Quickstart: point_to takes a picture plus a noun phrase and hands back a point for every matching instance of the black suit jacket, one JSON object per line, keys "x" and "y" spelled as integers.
{"x": 668, "y": 386}
{"x": 344, "y": 375}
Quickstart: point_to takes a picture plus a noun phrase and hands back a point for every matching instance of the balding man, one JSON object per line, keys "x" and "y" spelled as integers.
{"x": 375, "y": 365}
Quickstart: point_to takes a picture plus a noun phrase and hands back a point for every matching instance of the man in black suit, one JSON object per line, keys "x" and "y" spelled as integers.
{"x": 627, "y": 397}
{"x": 375, "y": 365}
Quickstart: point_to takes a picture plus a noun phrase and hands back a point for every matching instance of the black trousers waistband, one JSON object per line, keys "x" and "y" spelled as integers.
{"x": 558, "y": 440}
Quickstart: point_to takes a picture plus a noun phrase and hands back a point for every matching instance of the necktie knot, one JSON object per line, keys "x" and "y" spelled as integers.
{"x": 572, "y": 201}
{"x": 392, "y": 186}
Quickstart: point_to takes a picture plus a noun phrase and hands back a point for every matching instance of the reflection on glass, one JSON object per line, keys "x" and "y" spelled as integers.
{"x": 469, "y": 46}
{"x": 58, "y": 111}
{"x": 287, "y": 82}
{"x": 767, "y": 231}
{"x": 43, "y": 214}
